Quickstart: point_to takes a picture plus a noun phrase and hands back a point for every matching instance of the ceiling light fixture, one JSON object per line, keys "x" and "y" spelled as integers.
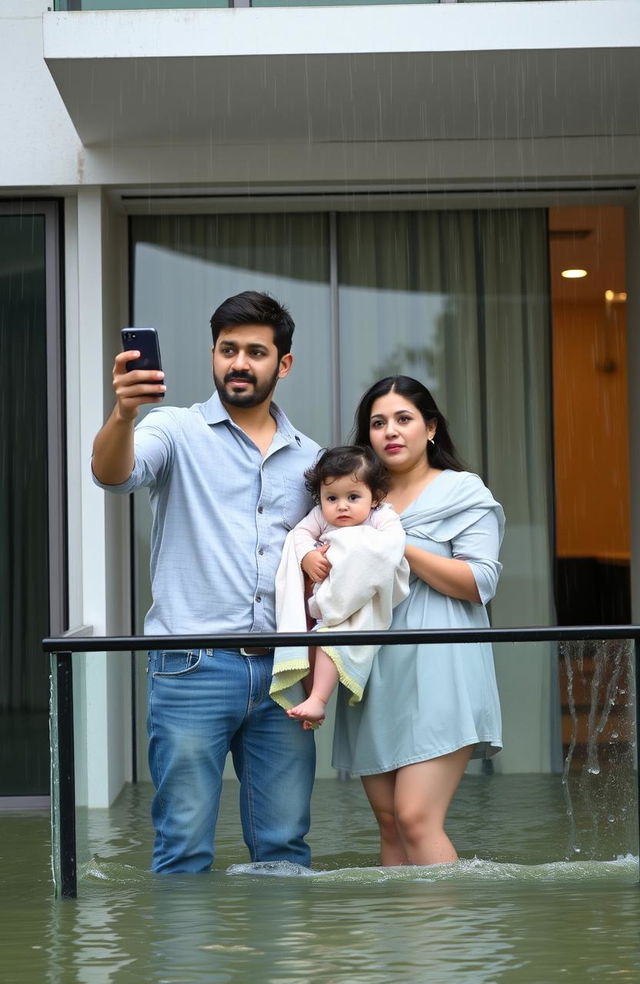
{"x": 573, "y": 274}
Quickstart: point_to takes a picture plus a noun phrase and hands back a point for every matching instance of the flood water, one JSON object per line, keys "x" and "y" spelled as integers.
{"x": 547, "y": 890}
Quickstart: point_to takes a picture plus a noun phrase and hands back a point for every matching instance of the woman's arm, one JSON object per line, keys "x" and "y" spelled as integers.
{"x": 447, "y": 575}
{"x": 472, "y": 573}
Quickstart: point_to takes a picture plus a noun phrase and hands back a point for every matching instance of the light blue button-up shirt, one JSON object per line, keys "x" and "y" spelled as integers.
{"x": 221, "y": 512}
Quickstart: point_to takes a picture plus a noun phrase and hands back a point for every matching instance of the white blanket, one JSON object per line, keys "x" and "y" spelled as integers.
{"x": 369, "y": 576}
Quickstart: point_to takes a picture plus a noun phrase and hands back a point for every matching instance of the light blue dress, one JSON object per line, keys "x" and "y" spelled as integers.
{"x": 422, "y": 701}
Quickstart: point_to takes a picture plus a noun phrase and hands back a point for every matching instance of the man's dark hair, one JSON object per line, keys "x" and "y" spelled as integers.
{"x": 255, "y": 308}
{"x": 351, "y": 459}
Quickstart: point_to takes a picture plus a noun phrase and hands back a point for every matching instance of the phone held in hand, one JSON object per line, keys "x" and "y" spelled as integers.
{"x": 145, "y": 340}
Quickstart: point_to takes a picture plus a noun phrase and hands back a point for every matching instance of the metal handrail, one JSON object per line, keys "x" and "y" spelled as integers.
{"x": 61, "y": 649}
{"x": 392, "y": 637}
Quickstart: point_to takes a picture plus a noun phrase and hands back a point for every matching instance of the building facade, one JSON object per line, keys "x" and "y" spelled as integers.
{"x": 411, "y": 179}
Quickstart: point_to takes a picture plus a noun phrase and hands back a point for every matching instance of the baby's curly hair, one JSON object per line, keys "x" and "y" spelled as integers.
{"x": 351, "y": 459}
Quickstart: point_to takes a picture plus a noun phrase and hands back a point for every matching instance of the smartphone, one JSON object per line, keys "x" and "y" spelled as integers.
{"x": 145, "y": 340}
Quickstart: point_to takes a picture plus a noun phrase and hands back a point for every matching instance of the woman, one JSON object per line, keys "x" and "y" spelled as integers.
{"x": 427, "y": 709}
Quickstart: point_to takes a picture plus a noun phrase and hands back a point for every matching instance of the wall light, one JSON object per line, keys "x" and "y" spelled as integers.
{"x": 573, "y": 274}
{"x": 616, "y": 297}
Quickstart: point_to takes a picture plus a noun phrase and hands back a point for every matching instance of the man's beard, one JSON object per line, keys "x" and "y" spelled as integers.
{"x": 251, "y": 398}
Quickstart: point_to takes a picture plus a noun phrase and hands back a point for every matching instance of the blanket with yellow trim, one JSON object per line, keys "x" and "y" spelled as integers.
{"x": 369, "y": 576}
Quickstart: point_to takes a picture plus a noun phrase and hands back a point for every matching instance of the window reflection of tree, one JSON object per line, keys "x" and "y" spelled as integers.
{"x": 407, "y": 360}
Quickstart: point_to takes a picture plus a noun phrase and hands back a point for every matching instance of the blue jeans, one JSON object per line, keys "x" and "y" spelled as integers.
{"x": 203, "y": 703}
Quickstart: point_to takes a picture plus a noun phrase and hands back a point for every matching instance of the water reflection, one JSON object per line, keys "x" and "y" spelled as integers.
{"x": 517, "y": 908}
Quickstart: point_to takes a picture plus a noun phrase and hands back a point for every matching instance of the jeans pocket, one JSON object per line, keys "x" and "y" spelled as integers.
{"x": 174, "y": 662}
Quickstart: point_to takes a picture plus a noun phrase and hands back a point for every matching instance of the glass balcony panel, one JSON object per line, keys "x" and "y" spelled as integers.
{"x": 556, "y": 819}
{"x": 139, "y": 4}
{"x": 332, "y": 3}
{"x": 204, "y": 4}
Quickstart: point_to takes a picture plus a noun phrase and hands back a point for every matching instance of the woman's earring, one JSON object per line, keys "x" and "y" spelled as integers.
{"x": 431, "y": 441}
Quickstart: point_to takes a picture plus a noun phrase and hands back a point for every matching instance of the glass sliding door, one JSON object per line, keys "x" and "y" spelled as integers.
{"x": 459, "y": 300}
{"x": 32, "y": 570}
{"x": 185, "y": 266}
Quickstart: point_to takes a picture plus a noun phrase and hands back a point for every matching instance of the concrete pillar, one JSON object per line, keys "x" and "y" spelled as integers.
{"x": 95, "y": 239}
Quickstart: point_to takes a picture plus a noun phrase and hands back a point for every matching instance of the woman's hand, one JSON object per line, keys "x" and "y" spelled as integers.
{"x": 446, "y": 574}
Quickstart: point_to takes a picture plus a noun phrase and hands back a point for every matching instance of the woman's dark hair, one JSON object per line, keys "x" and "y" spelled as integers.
{"x": 440, "y": 454}
{"x": 254, "y": 308}
{"x": 360, "y": 462}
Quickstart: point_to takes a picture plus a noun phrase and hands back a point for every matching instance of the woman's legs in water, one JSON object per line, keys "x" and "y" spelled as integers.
{"x": 380, "y": 792}
{"x": 411, "y": 805}
{"x": 423, "y": 793}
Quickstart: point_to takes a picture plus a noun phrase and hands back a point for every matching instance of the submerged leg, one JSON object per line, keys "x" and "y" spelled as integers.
{"x": 380, "y": 792}
{"x": 423, "y": 792}
{"x": 196, "y": 700}
{"x": 275, "y": 762}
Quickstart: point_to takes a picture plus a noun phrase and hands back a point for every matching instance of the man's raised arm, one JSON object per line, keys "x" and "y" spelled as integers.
{"x": 113, "y": 453}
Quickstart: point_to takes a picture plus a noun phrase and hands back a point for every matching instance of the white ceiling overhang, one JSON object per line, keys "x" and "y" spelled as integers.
{"x": 482, "y": 71}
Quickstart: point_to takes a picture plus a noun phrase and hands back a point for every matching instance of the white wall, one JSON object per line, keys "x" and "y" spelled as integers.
{"x": 39, "y": 146}
{"x": 45, "y": 152}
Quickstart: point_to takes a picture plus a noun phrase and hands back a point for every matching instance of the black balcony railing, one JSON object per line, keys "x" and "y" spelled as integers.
{"x": 62, "y": 740}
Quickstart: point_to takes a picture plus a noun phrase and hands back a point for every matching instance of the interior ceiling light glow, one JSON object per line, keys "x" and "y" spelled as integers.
{"x": 573, "y": 274}
{"x": 618, "y": 297}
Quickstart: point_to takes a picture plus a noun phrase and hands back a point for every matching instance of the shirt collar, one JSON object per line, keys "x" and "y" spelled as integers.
{"x": 214, "y": 412}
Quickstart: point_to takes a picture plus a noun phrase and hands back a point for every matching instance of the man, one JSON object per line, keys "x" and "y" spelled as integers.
{"x": 226, "y": 484}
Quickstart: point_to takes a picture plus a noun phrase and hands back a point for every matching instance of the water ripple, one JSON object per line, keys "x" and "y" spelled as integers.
{"x": 474, "y": 869}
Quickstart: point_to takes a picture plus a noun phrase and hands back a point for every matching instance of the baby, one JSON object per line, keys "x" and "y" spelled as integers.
{"x": 348, "y": 485}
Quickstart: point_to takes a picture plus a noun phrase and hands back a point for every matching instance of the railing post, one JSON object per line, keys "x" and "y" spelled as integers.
{"x": 63, "y": 793}
{"x": 636, "y": 669}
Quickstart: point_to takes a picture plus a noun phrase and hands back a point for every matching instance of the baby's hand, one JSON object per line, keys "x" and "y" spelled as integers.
{"x": 315, "y": 564}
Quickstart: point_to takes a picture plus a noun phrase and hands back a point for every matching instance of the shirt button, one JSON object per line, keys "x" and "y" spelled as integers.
{"x": 258, "y": 598}
{"x": 261, "y": 551}
{"x": 260, "y": 509}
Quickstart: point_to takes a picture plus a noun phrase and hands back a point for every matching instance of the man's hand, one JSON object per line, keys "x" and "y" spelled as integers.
{"x": 315, "y": 564}
{"x": 113, "y": 453}
{"x": 134, "y": 388}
